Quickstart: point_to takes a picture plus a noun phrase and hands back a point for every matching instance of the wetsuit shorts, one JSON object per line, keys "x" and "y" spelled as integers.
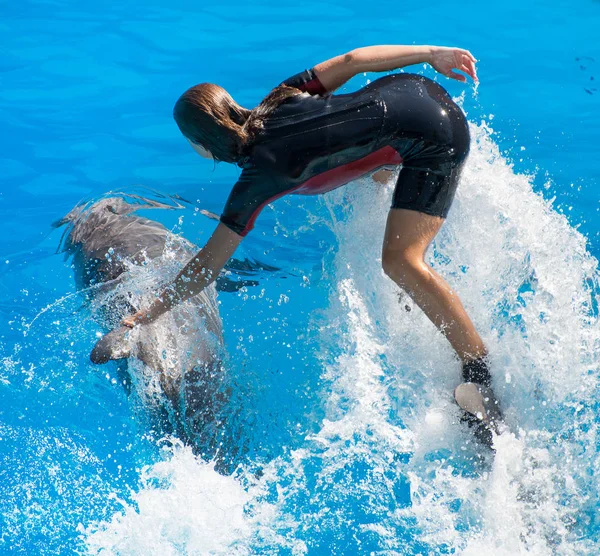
{"x": 430, "y": 132}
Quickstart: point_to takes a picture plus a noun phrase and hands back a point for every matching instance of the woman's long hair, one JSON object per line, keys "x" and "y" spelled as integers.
{"x": 208, "y": 116}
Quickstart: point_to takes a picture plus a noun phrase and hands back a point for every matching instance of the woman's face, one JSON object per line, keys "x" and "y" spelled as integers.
{"x": 200, "y": 150}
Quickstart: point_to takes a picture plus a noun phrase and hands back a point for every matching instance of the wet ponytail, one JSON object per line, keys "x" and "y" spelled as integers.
{"x": 207, "y": 115}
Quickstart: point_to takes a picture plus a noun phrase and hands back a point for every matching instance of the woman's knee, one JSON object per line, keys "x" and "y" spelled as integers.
{"x": 403, "y": 266}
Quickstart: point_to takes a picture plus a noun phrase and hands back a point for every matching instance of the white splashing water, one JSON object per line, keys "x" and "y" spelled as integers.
{"x": 183, "y": 507}
{"x": 530, "y": 286}
{"x": 391, "y": 469}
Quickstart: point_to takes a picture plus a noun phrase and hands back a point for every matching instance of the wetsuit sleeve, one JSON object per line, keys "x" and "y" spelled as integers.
{"x": 252, "y": 192}
{"x": 307, "y": 81}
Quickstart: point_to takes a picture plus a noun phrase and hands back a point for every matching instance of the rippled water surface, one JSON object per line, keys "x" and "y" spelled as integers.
{"x": 339, "y": 435}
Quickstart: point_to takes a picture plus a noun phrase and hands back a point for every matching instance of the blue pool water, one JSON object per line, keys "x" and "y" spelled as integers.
{"x": 342, "y": 434}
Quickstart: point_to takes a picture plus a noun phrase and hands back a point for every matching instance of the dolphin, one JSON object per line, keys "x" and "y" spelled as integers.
{"x": 175, "y": 364}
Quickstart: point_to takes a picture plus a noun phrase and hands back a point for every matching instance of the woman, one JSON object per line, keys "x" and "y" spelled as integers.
{"x": 302, "y": 139}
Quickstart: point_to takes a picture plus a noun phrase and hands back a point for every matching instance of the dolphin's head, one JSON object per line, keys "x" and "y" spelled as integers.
{"x": 104, "y": 207}
{"x": 104, "y": 237}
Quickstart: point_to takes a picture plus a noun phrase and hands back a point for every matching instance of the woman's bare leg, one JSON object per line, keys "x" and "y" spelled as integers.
{"x": 382, "y": 176}
{"x": 407, "y": 236}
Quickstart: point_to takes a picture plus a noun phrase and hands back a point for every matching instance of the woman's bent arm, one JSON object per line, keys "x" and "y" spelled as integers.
{"x": 197, "y": 274}
{"x": 336, "y": 71}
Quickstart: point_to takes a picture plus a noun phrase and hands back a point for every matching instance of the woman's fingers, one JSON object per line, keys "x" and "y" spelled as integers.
{"x": 467, "y": 60}
{"x": 129, "y": 321}
{"x": 471, "y": 65}
{"x": 469, "y": 69}
{"x": 449, "y": 59}
{"x": 466, "y": 64}
{"x": 468, "y": 54}
{"x": 456, "y": 76}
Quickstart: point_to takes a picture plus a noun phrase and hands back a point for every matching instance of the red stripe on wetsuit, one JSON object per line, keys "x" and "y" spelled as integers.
{"x": 334, "y": 178}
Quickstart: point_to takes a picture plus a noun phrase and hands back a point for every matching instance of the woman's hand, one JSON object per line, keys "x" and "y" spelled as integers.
{"x": 137, "y": 318}
{"x": 445, "y": 60}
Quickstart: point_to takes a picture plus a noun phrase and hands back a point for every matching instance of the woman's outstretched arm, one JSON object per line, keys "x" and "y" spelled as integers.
{"x": 336, "y": 71}
{"x": 199, "y": 272}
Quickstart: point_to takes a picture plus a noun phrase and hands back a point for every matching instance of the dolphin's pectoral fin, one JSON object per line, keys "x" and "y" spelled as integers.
{"x": 240, "y": 268}
{"x": 224, "y": 284}
{"x": 248, "y": 267}
{"x": 112, "y": 346}
{"x": 481, "y": 410}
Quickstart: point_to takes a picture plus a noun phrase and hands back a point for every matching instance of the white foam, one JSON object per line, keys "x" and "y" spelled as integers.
{"x": 183, "y": 506}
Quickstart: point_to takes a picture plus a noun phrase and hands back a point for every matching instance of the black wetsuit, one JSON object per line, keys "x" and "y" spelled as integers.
{"x": 315, "y": 142}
